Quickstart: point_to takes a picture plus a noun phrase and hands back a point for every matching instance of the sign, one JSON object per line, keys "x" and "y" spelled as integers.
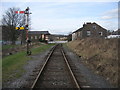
{"x": 19, "y": 28}
{"x": 19, "y": 12}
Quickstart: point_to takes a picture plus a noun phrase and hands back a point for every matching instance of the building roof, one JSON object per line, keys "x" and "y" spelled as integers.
{"x": 116, "y": 32}
{"x": 88, "y": 23}
{"x": 80, "y": 29}
{"x": 39, "y": 32}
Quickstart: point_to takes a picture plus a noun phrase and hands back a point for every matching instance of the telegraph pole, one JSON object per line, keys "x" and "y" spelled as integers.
{"x": 27, "y": 13}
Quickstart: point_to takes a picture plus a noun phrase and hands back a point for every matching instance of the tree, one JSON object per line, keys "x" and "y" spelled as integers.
{"x": 11, "y": 20}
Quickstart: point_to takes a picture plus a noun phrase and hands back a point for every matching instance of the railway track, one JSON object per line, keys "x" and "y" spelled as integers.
{"x": 56, "y": 72}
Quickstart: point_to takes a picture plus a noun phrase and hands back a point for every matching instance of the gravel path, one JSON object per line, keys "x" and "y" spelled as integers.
{"x": 31, "y": 69}
{"x": 86, "y": 77}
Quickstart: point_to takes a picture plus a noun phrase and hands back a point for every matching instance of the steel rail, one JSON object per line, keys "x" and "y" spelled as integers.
{"x": 73, "y": 76}
{"x": 43, "y": 67}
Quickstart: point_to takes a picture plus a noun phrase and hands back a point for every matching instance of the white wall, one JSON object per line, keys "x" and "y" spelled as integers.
{"x": 73, "y": 36}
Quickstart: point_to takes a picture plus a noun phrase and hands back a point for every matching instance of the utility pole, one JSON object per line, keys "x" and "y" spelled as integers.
{"x": 27, "y": 13}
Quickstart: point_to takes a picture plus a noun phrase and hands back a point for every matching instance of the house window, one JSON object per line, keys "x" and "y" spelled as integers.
{"x": 43, "y": 36}
{"x": 31, "y": 37}
{"x": 35, "y": 37}
{"x": 100, "y": 33}
{"x": 46, "y": 38}
{"x": 78, "y": 33}
{"x": 94, "y": 27}
{"x": 39, "y": 37}
{"x": 88, "y": 33}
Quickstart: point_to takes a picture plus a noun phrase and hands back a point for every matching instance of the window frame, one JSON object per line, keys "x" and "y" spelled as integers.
{"x": 101, "y": 33}
{"x": 88, "y": 32}
{"x": 94, "y": 27}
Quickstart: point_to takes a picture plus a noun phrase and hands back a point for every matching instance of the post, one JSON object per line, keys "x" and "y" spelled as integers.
{"x": 27, "y": 28}
{"x": 26, "y": 13}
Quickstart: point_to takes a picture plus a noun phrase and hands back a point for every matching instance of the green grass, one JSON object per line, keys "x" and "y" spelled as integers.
{"x": 9, "y": 46}
{"x": 12, "y": 66}
{"x": 65, "y": 45}
{"x": 40, "y": 49}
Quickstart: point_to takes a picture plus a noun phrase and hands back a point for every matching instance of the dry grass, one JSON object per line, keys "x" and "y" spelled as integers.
{"x": 100, "y": 54}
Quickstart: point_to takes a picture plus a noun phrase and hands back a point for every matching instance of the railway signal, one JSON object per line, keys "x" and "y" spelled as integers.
{"x": 26, "y": 13}
{"x": 20, "y": 12}
{"x": 19, "y": 28}
{"x": 26, "y": 27}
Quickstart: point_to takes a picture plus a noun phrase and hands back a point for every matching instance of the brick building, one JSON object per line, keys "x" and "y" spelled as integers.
{"x": 90, "y": 30}
{"x": 38, "y": 35}
{"x": 35, "y": 36}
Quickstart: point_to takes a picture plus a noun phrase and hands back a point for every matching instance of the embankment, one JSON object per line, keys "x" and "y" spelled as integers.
{"x": 101, "y": 55}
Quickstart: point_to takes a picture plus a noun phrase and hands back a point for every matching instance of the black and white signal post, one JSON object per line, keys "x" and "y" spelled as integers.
{"x": 27, "y": 13}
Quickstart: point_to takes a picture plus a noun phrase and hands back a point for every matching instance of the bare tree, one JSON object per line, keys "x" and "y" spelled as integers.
{"x": 11, "y": 20}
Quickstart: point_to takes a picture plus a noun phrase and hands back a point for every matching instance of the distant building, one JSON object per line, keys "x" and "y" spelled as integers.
{"x": 90, "y": 30}
{"x": 55, "y": 37}
{"x": 116, "y": 32}
{"x": 113, "y": 36}
{"x": 39, "y": 35}
{"x": 45, "y": 36}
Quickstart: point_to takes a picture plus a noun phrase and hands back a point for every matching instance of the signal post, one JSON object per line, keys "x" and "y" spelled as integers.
{"x": 27, "y": 13}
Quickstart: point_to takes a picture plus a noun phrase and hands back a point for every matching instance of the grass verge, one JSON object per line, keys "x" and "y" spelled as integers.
{"x": 9, "y": 46}
{"x": 12, "y": 66}
{"x": 41, "y": 49}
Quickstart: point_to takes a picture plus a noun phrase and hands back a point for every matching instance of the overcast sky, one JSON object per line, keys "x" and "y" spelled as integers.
{"x": 65, "y": 17}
